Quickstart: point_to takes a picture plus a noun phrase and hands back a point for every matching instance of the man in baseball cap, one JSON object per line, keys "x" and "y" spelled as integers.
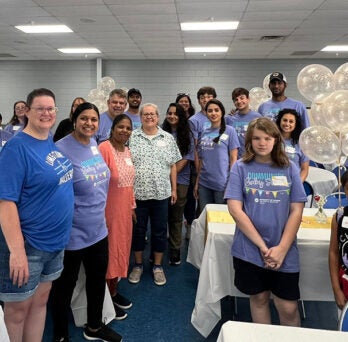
{"x": 271, "y": 108}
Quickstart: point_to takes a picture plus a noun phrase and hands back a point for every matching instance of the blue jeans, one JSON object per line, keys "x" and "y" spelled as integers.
{"x": 208, "y": 196}
{"x": 157, "y": 212}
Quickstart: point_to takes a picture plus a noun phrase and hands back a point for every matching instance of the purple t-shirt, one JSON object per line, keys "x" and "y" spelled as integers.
{"x": 136, "y": 121}
{"x": 91, "y": 182}
{"x": 271, "y": 109}
{"x": 198, "y": 123}
{"x": 266, "y": 192}
{"x": 295, "y": 153}
{"x": 240, "y": 123}
{"x": 105, "y": 124}
{"x": 216, "y": 157}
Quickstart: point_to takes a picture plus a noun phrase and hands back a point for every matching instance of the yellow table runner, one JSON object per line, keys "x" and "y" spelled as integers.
{"x": 307, "y": 221}
{"x": 310, "y": 222}
{"x": 219, "y": 217}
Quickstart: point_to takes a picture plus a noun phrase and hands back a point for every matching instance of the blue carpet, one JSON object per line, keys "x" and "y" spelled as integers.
{"x": 163, "y": 313}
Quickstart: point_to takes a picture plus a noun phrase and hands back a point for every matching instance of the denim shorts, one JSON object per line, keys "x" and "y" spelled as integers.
{"x": 43, "y": 267}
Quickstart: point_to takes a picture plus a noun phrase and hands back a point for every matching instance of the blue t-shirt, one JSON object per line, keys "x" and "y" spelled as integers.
{"x": 4, "y": 138}
{"x": 38, "y": 178}
{"x": 216, "y": 157}
{"x": 198, "y": 123}
{"x": 295, "y": 153}
{"x": 240, "y": 123}
{"x": 14, "y": 129}
{"x": 266, "y": 192}
{"x": 91, "y": 182}
{"x": 105, "y": 124}
{"x": 271, "y": 109}
{"x": 136, "y": 121}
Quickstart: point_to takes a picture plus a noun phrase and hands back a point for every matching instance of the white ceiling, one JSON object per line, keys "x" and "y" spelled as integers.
{"x": 131, "y": 29}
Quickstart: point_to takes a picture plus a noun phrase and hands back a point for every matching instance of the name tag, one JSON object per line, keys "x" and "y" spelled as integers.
{"x": 128, "y": 161}
{"x": 94, "y": 150}
{"x": 16, "y": 128}
{"x": 279, "y": 180}
{"x": 290, "y": 149}
{"x": 345, "y": 222}
{"x": 224, "y": 136}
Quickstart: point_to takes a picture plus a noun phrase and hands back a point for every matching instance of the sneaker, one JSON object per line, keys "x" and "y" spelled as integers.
{"x": 175, "y": 261}
{"x": 135, "y": 275}
{"x": 120, "y": 314}
{"x": 104, "y": 333}
{"x": 121, "y": 302}
{"x": 158, "y": 276}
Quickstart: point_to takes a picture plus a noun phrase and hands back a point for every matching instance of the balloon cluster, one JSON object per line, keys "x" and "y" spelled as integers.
{"x": 100, "y": 95}
{"x": 259, "y": 95}
{"x": 327, "y": 139}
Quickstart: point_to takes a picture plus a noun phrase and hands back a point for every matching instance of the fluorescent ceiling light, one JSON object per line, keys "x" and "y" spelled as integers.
{"x": 209, "y": 25}
{"x": 207, "y": 49}
{"x": 44, "y": 28}
{"x": 335, "y": 48}
{"x": 79, "y": 50}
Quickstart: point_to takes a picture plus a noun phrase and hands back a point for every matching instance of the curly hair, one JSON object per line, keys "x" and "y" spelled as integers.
{"x": 295, "y": 134}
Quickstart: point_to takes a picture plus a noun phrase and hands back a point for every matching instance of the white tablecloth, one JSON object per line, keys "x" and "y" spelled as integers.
{"x": 216, "y": 279}
{"x": 322, "y": 181}
{"x": 250, "y": 332}
{"x": 3, "y": 331}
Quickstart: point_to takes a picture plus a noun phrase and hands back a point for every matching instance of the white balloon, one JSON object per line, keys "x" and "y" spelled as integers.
{"x": 106, "y": 85}
{"x": 341, "y": 77}
{"x": 257, "y": 96}
{"x": 320, "y": 144}
{"x": 315, "y": 79}
{"x": 335, "y": 110}
{"x": 316, "y": 114}
{"x": 265, "y": 85}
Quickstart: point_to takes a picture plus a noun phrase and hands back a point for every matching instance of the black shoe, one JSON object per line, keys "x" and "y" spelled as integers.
{"x": 120, "y": 314}
{"x": 104, "y": 333}
{"x": 175, "y": 261}
{"x": 121, "y": 302}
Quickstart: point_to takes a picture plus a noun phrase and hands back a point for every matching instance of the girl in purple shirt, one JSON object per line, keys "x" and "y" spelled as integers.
{"x": 265, "y": 197}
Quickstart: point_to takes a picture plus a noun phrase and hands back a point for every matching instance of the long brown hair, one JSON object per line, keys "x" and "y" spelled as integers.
{"x": 266, "y": 125}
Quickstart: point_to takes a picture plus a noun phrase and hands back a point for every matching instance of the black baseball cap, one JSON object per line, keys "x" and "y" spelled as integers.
{"x": 277, "y": 76}
{"x": 133, "y": 91}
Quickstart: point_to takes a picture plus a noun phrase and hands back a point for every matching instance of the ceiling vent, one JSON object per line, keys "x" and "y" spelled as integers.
{"x": 303, "y": 53}
{"x": 272, "y": 38}
{"x": 6, "y": 55}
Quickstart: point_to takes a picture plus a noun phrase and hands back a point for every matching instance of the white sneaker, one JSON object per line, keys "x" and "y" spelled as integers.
{"x": 135, "y": 275}
{"x": 158, "y": 276}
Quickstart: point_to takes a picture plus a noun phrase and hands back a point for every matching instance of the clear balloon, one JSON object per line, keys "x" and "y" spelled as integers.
{"x": 101, "y": 105}
{"x": 95, "y": 94}
{"x": 315, "y": 79}
{"x": 320, "y": 144}
{"x": 265, "y": 85}
{"x": 341, "y": 77}
{"x": 257, "y": 96}
{"x": 106, "y": 84}
{"x": 335, "y": 110}
{"x": 316, "y": 114}
{"x": 344, "y": 141}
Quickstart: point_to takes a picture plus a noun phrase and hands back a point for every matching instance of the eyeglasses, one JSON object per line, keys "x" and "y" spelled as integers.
{"x": 151, "y": 115}
{"x": 182, "y": 94}
{"x": 42, "y": 110}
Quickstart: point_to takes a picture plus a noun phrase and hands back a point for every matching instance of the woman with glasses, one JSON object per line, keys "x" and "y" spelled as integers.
{"x": 88, "y": 243}
{"x": 18, "y": 119}
{"x": 66, "y": 126}
{"x": 36, "y": 208}
{"x": 154, "y": 154}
